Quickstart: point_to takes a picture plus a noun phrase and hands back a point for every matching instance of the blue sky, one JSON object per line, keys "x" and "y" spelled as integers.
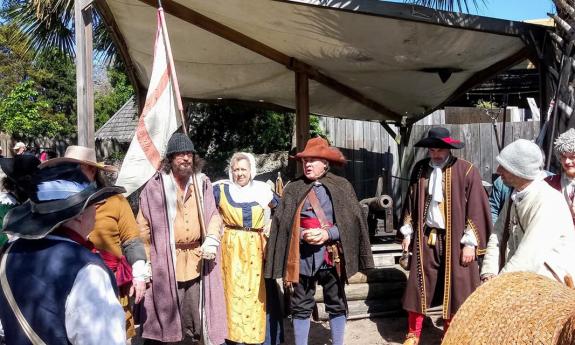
{"x": 511, "y": 9}
{"x": 516, "y": 9}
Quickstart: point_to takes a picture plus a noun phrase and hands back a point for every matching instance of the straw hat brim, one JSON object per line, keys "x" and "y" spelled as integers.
{"x": 62, "y": 160}
{"x": 23, "y": 222}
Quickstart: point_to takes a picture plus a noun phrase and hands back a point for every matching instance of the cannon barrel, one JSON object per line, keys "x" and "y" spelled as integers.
{"x": 378, "y": 203}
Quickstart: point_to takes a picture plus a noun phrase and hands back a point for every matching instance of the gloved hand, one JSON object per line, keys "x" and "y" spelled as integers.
{"x": 209, "y": 248}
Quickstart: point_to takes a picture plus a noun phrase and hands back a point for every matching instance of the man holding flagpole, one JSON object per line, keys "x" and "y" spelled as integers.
{"x": 178, "y": 215}
{"x": 181, "y": 228}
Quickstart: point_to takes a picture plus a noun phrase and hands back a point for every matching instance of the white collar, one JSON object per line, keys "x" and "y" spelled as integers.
{"x": 518, "y": 196}
{"x": 257, "y": 191}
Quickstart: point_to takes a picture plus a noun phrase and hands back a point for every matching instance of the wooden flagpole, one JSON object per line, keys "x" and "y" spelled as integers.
{"x": 172, "y": 67}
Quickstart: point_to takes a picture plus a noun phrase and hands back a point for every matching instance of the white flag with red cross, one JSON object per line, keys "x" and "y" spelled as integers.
{"x": 160, "y": 117}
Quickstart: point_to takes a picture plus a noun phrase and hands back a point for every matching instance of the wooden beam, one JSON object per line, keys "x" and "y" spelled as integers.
{"x": 84, "y": 76}
{"x": 302, "y": 110}
{"x": 120, "y": 43}
{"x": 390, "y": 131}
{"x": 188, "y": 15}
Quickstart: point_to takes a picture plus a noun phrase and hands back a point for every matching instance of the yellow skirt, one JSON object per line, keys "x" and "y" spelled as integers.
{"x": 242, "y": 266}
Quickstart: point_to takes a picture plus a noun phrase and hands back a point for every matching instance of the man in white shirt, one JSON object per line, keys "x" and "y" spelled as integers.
{"x": 54, "y": 288}
{"x": 534, "y": 232}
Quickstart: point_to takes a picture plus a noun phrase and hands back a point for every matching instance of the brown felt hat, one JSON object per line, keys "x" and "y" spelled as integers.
{"x": 319, "y": 148}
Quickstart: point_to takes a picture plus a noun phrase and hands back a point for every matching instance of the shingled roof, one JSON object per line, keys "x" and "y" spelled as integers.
{"x": 122, "y": 125}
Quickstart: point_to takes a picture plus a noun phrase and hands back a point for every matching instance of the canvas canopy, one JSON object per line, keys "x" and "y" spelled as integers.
{"x": 368, "y": 59}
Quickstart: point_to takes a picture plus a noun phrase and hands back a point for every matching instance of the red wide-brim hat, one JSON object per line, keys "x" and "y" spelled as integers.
{"x": 319, "y": 148}
{"x": 439, "y": 138}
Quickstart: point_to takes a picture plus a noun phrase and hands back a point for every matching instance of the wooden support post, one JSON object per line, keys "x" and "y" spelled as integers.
{"x": 84, "y": 78}
{"x": 302, "y": 112}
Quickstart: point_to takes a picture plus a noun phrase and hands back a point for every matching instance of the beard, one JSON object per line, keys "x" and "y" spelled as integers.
{"x": 183, "y": 170}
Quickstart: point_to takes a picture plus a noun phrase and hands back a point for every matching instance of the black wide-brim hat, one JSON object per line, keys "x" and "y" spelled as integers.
{"x": 18, "y": 167}
{"x": 36, "y": 219}
{"x": 439, "y": 138}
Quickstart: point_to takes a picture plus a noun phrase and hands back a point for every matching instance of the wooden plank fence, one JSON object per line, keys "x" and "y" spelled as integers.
{"x": 480, "y": 142}
{"x": 57, "y": 145}
{"x": 369, "y": 149}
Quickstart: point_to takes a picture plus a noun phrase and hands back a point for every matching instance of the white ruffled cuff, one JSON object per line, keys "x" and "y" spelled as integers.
{"x": 406, "y": 230}
{"x": 211, "y": 241}
{"x": 469, "y": 239}
{"x": 140, "y": 271}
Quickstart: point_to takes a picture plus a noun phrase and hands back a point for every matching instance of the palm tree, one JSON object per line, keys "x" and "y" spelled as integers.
{"x": 448, "y": 5}
{"x": 49, "y": 25}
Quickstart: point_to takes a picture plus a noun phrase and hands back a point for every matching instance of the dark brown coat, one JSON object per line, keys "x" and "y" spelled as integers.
{"x": 466, "y": 205}
{"x": 349, "y": 218}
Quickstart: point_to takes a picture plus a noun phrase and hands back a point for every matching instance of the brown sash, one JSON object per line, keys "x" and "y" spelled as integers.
{"x": 314, "y": 202}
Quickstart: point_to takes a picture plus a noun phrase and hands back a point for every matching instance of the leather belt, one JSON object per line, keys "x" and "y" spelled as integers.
{"x": 244, "y": 228}
{"x": 188, "y": 246}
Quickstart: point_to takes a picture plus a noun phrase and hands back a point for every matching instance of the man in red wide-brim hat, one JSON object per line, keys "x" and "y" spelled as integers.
{"x": 445, "y": 224}
{"x": 318, "y": 236}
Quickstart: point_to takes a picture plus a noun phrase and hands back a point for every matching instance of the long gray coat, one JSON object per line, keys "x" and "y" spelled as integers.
{"x": 349, "y": 219}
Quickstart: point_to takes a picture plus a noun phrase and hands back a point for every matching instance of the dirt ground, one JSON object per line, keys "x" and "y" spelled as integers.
{"x": 376, "y": 331}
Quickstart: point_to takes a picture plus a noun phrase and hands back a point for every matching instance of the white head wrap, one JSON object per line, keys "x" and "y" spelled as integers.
{"x": 256, "y": 191}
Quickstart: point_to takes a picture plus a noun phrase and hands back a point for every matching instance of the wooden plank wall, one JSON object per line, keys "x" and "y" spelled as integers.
{"x": 6, "y": 144}
{"x": 369, "y": 149}
{"x": 40, "y": 143}
{"x": 480, "y": 141}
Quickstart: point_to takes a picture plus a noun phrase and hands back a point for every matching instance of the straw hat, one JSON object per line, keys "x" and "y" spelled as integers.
{"x": 319, "y": 148}
{"x": 79, "y": 155}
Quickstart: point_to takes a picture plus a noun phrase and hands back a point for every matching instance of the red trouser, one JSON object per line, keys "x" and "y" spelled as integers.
{"x": 415, "y": 323}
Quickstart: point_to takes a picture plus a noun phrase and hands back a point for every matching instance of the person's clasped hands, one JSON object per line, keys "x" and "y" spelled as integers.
{"x": 316, "y": 236}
